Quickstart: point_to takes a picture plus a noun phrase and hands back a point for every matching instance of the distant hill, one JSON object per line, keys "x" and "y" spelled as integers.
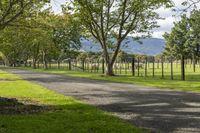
{"x": 149, "y": 46}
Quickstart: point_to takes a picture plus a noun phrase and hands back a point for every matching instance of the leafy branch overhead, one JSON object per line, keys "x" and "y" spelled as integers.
{"x": 12, "y": 10}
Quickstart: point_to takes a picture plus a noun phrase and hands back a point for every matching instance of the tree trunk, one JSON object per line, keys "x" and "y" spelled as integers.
{"x": 146, "y": 61}
{"x": 38, "y": 64}
{"x": 14, "y": 65}
{"x": 34, "y": 64}
{"x": 194, "y": 63}
{"x": 125, "y": 65}
{"x": 109, "y": 71}
{"x": 70, "y": 65}
{"x": 45, "y": 65}
{"x": 25, "y": 63}
{"x": 58, "y": 64}
{"x": 153, "y": 66}
{"x": 83, "y": 65}
{"x": 138, "y": 67}
{"x": 103, "y": 68}
{"x": 162, "y": 60}
{"x": 133, "y": 66}
{"x": 182, "y": 68}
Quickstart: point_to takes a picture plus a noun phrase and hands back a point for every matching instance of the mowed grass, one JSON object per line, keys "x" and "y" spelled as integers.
{"x": 68, "y": 115}
{"x": 192, "y": 82}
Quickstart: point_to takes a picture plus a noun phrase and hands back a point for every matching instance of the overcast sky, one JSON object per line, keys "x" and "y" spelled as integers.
{"x": 165, "y": 25}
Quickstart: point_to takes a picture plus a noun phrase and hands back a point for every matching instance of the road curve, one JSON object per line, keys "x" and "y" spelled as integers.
{"x": 155, "y": 109}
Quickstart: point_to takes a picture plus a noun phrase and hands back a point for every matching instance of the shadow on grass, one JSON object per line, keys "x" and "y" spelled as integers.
{"x": 11, "y": 106}
{"x": 17, "y": 117}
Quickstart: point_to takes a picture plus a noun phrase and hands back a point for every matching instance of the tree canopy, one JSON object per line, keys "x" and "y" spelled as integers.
{"x": 111, "y": 21}
{"x": 12, "y": 10}
{"x": 41, "y": 37}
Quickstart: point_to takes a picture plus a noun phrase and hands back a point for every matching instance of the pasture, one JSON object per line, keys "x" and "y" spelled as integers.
{"x": 124, "y": 74}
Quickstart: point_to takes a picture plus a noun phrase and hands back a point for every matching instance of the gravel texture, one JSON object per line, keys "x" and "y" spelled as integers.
{"x": 164, "y": 111}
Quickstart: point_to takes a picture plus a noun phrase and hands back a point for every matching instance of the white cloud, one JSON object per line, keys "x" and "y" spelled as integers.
{"x": 56, "y": 5}
{"x": 165, "y": 25}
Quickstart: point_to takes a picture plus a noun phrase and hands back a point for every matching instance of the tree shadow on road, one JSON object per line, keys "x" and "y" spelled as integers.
{"x": 159, "y": 111}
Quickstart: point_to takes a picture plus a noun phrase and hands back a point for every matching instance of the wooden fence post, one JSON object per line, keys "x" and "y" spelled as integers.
{"x": 172, "y": 77}
{"x": 138, "y": 67}
{"x": 83, "y": 65}
{"x": 162, "y": 61}
{"x": 153, "y": 66}
{"x": 146, "y": 61}
{"x": 70, "y": 65}
{"x": 133, "y": 66}
{"x": 125, "y": 66}
{"x": 103, "y": 66}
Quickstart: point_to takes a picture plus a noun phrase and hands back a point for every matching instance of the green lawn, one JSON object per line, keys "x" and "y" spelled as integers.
{"x": 59, "y": 114}
{"x": 192, "y": 83}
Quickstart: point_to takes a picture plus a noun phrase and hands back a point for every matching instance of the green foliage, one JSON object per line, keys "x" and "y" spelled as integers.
{"x": 41, "y": 37}
{"x": 66, "y": 36}
{"x": 193, "y": 41}
{"x": 176, "y": 41}
{"x": 184, "y": 37}
{"x": 110, "y": 21}
{"x": 14, "y": 10}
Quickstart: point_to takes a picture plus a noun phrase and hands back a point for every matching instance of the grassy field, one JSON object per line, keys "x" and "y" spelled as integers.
{"x": 192, "y": 82}
{"x": 29, "y": 108}
{"x": 126, "y": 70}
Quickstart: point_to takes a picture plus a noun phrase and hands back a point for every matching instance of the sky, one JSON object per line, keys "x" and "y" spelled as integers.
{"x": 165, "y": 25}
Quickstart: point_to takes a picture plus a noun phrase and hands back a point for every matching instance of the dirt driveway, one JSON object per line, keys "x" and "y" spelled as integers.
{"x": 155, "y": 109}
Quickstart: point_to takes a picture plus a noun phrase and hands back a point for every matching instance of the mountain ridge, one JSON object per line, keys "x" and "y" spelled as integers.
{"x": 149, "y": 46}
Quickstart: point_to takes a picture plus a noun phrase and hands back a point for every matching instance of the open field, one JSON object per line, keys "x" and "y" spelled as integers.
{"x": 29, "y": 108}
{"x": 124, "y": 68}
{"x": 192, "y": 82}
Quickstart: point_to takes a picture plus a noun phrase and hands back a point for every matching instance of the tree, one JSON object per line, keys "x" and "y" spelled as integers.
{"x": 193, "y": 41}
{"x": 11, "y": 10}
{"x": 176, "y": 42}
{"x": 66, "y": 35}
{"x": 42, "y": 37}
{"x": 170, "y": 51}
{"x": 111, "y": 21}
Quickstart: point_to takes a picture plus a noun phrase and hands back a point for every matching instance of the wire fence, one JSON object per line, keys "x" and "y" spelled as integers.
{"x": 130, "y": 67}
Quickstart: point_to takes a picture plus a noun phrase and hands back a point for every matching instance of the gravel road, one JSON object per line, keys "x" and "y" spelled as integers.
{"x": 164, "y": 111}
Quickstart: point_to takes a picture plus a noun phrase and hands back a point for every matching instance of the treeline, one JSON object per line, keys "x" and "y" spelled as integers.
{"x": 184, "y": 41}
{"x": 43, "y": 36}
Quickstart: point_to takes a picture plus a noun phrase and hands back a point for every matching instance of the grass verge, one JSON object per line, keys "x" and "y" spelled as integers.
{"x": 35, "y": 109}
{"x": 190, "y": 85}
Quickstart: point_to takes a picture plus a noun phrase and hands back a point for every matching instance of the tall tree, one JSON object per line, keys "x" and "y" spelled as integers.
{"x": 108, "y": 19}
{"x": 66, "y": 35}
{"x": 176, "y": 42}
{"x": 193, "y": 41}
